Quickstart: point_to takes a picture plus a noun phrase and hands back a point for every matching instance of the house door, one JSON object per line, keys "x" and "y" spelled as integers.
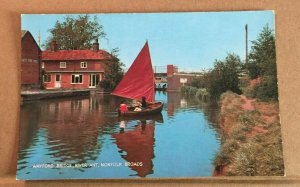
{"x": 57, "y": 81}
{"x": 94, "y": 80}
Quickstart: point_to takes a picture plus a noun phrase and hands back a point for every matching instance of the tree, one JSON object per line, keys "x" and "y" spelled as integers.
{"x": 262, "y": 58}
{"x": 201, "y": 81}
{"x": 262, "y": 63}
{"x": 225, "y": 76}
{"x": 114, "y": 72}
{"x": 75, "y": 32}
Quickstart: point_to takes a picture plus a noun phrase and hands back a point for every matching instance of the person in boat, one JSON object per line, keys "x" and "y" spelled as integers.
{"x": 144, "y": 103}
{"x": 137, "y": 105}
{"x": 123, "y": 107}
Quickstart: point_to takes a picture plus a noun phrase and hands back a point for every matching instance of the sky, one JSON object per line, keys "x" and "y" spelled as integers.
{"x": 192, "y": 41}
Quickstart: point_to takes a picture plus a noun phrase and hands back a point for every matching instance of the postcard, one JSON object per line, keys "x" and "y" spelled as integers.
{"x": 149, "y": 95}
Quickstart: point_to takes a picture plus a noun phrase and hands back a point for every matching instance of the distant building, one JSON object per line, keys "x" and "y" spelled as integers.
{"x": 73, "y": 69}
{"x": 177, "y": 80}
{"x": 30, "y": 60}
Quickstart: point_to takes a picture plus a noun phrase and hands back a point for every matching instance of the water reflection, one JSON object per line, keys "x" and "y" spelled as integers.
{"x": 138, "y": 145}
{"x": 87, "y": 130}
{"x": 73, "y": 126}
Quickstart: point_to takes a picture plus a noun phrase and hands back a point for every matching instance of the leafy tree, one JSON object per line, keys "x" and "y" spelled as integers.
{"x": 75, "y": 32}
{"x": 262, "y": 63}
{"x": 262, "y": 58}
{"x": 114, "y": 72}
{"x": 201, "y": 81}
{"x": 224, "y": 76}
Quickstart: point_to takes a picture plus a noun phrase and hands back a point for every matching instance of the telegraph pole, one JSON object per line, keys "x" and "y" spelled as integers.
{"x": 246, "y": 29}
{"x": 39, "y": 39}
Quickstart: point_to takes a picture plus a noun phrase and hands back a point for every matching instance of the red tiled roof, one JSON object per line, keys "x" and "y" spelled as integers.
{"x": 75, "y": 55}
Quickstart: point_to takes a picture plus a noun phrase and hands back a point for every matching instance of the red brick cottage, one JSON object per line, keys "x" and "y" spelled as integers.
{"x": 73, "y": 69}
{"x": 30, "y": 60}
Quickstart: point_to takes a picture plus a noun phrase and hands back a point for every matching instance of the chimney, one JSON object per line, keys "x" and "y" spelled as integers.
{"x": 54, "y": 46}
{"x": 96, "y": 45}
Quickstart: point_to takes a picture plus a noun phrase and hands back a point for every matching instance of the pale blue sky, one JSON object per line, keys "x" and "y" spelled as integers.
{"x": 191, "y": 41}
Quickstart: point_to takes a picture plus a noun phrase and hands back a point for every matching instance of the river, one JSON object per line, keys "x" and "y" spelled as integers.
{"x": 82, "y": 138}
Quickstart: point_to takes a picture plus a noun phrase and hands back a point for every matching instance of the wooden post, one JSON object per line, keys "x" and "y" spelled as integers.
{"x": 246, "y": 58}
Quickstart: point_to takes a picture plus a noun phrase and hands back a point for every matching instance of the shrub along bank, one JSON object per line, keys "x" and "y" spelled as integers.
{"x": 251, "y": 142}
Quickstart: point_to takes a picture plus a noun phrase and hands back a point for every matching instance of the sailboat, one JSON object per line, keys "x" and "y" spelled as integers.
{"x": 138, "y": 82}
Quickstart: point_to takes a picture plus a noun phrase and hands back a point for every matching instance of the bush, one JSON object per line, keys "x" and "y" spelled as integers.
{"x": 106, "y": 84}
{"x": 267, "y": 90}
{"x": 200, "y": 93}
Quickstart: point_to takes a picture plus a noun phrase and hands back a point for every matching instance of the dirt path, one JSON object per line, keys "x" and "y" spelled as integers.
{"x": 264, "y": 118}
{"x": 248, "y": 105}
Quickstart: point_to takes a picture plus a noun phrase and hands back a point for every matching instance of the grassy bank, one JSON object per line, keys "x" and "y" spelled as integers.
{"x": 251, "y": 142}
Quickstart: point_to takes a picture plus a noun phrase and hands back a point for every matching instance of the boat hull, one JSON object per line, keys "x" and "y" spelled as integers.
{"x": 151, "y": 109}
{"x": 154, "y": 117}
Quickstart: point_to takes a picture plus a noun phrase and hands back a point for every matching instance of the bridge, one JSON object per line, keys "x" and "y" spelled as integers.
{"x": 171, "y": 78}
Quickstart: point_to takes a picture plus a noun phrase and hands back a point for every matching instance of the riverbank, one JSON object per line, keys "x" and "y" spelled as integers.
{"x": 36, "y": 94}
{"x": 251, "y": 142}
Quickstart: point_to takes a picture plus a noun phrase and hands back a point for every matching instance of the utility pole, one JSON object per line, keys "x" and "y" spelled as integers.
{"x": 246, "y": 29}
{"x": 39, "y": 39}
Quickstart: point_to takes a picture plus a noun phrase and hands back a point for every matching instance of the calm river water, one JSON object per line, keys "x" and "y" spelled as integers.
{"x": 83, "y": 138}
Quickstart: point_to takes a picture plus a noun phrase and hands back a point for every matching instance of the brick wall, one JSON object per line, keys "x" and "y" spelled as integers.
{"x": 66, "y": 79}
{"x": 174, "y": 82}
{"x": 73, "y": 66}
{"x": 29, "y": 61}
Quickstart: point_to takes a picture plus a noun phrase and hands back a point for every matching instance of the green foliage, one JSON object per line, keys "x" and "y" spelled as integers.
{"x": 200, "y": 93}
{"x": 201, "y": 81}
{"x": 224, "y": 76}
{"x": 262, "y": 63}
{"x": 262, "y": 58}
{"x": 106, "y": 84}
{"x": 266, "y": 90}
{"x": 114, "y": 72}
{"x": 75, "y": 32}
{"x": 189, "y": 90}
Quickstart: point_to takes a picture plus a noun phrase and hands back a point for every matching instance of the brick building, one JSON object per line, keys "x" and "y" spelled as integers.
{"x": 73, "y": 69}
{"x": 177, "y": 80}
{"x": 30, "y": 60}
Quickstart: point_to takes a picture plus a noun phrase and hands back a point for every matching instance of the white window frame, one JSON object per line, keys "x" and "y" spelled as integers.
{"x": 62, "y": 64}
{"x": 76, "y": 75}
{"x": 83, "y": 64}
{"x": 44, "y": 79}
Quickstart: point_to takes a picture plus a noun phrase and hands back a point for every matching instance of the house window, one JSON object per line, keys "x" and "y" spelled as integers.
{"x": 47, "y": 78}
{"x": 77, "y": 79}
{"x": 62, "y": 64}
{"x": 83, "y": 64}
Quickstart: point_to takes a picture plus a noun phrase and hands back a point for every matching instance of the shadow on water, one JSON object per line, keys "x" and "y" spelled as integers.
{"x": 87, "y": 130}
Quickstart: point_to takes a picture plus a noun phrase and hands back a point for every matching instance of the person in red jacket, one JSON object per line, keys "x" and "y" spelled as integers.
{"x": 123, "y": 107}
